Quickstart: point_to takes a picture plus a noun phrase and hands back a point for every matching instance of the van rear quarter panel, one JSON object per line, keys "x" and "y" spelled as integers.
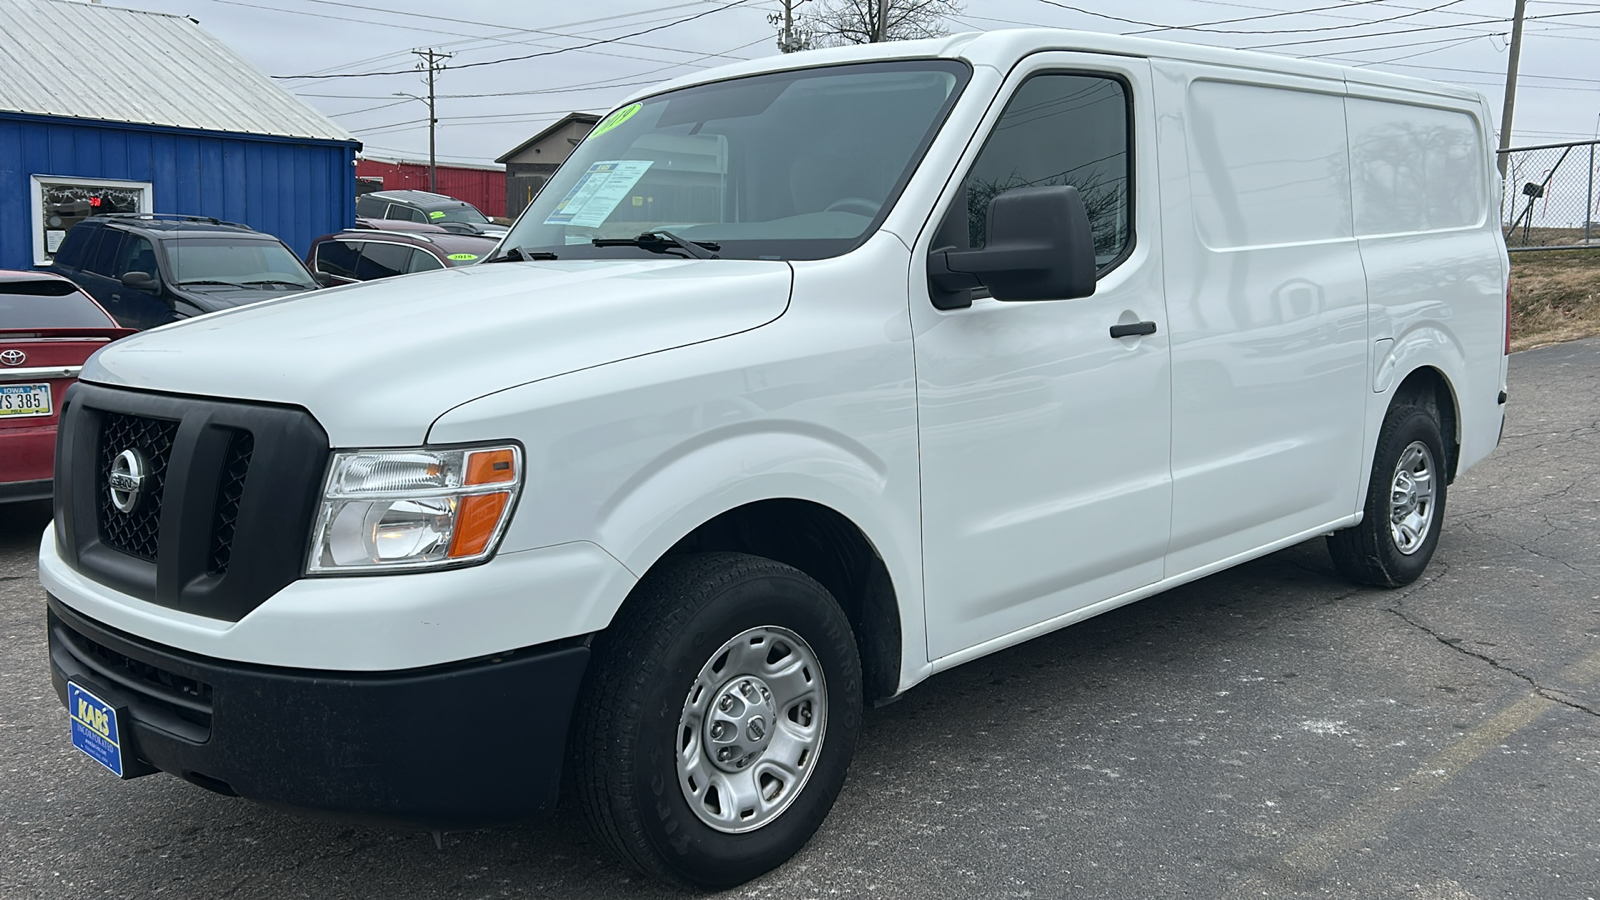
{"x": 1436, "y": 265}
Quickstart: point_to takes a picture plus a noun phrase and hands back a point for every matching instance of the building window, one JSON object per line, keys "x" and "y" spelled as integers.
{"x": 60, "y": 202}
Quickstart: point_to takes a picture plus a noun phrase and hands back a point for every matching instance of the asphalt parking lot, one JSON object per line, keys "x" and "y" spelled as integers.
{"x": 1267, "y": 732}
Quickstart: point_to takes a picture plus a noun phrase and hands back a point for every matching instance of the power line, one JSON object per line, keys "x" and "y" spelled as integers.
{"x": 454, "y": 20}
{"x": 467, "y": 39}
{"x": 353, "y": 112}
{"x": 1417, "y": 29}
{"x": 1271, "y": 15}
{"x": 1205, "y": 26}
{"x": 494, "y": 62}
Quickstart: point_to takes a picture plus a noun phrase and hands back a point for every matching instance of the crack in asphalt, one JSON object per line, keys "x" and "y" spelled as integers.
{"x": 1550, "y": 694}
{"x": 1554, "y": 529}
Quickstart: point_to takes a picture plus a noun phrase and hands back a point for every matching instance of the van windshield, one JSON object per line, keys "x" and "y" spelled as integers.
{"x": 790, "y": 165}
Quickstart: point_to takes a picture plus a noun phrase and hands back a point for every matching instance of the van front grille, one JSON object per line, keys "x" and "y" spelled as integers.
{"x": 137, "y": 531}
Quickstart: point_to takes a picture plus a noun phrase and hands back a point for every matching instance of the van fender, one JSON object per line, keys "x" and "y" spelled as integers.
{"x": 1423, "y": 346}
{"x": 742, "y": 464}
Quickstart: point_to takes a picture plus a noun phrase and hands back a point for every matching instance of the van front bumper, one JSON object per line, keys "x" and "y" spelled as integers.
{"x": 449, "y": 747}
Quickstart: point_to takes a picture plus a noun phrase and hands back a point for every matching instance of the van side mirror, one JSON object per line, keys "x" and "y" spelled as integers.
{"x": 1040, "y": 247}
{"x": 141, "y": 281}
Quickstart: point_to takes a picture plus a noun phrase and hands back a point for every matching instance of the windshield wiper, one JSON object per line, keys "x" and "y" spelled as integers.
{"x": 281, "y": 281}
{"x": 517, "y": 254}
{"x": 660, "y": 241}
{"x": 220, "y": 283}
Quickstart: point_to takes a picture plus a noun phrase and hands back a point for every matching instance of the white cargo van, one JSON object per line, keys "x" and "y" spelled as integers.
{"x": 803, "y": 380}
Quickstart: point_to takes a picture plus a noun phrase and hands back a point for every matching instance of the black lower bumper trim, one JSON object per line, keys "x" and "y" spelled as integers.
{"x": 452, "y": 747}
{"x": 23, "y": 491}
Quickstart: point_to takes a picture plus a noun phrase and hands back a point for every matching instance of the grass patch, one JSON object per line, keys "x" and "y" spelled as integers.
{"x": 1555, "y": 296}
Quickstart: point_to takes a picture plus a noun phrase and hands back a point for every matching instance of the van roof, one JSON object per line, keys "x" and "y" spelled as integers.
{"x": 1003, "y": 49}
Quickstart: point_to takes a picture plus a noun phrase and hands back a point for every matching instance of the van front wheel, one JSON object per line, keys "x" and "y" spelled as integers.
{"x": 1405, "y": 504}
{"x": 718, "y": 719}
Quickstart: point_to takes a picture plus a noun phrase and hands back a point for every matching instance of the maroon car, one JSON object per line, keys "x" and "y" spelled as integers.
{"x": 48, "y": 327}
{"x": 366, "y": 253}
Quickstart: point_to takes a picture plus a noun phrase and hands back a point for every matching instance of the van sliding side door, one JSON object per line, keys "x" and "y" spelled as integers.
{"x": 1269, "y": 310}
{"x": 1045, "y": 435}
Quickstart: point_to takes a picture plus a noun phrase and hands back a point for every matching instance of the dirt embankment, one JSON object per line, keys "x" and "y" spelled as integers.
{"x": 1555, "y": 296}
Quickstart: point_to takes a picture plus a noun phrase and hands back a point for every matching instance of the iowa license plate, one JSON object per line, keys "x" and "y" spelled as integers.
{"x": 95, "y": 728}
{"x": 24, "y": 400}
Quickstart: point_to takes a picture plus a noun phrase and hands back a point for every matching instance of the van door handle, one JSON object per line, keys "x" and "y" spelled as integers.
{"x": 1137, "y": 328}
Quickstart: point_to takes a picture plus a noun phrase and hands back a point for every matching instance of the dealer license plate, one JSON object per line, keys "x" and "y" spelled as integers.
{"x": 24, "y": 400}
{"x": 95, "y": 729}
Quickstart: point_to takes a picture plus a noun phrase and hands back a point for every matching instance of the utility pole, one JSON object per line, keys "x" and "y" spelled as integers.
{"x": 883, "y": 22}
{"x": 788, "y": 41}
{"x": 1511, "y": 85}
{"x": 433, "y": 61}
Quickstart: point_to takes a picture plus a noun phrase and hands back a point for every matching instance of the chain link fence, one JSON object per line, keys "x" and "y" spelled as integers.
{"x": 1552, "y": 197}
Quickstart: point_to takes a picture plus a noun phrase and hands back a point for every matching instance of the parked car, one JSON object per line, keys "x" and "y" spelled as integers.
{"x": 48, "y": 327}
{"x": 148, "y": 270}
{"x": 800, "y": 382}
{"x": 365, "y": 254}
{"x": 430, "y": 208}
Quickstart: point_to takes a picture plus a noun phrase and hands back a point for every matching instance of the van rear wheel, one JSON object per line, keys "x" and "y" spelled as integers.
{"x": 1405, "y": 504}
{"x": 718, "y": 719}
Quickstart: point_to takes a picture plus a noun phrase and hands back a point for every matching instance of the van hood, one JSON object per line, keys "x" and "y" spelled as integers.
{"x": 377, "y": 363}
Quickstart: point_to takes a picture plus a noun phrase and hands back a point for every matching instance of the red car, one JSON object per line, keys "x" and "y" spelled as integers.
{"x": 48, "y": 327}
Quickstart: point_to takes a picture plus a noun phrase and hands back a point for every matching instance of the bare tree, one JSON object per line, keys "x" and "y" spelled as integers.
{"x": 870, "y": 21}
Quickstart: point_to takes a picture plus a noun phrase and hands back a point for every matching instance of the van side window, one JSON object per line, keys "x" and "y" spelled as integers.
{"x": 1060, "y": 129}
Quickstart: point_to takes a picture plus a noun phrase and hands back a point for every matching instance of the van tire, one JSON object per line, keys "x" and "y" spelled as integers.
{"x": 1373, "y": 552}
{"x": 655, "y": 669}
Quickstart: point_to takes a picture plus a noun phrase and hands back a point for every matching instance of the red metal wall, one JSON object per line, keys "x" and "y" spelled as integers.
{"x": 483, "y": 188}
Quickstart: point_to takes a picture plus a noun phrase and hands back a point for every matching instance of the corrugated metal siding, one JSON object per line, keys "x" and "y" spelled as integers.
{"x": 83, "y": 61}
{"x": 483, "y": 188}
{"x": 296, "y": 191}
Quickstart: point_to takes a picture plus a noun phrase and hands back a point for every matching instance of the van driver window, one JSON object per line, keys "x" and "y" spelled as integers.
{"x": 1060, "y": 130}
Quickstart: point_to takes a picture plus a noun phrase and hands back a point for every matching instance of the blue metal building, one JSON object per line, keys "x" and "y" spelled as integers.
{"x": 163, "y": 118}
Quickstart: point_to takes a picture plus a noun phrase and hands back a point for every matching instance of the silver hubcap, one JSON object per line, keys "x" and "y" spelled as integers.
{"x": 1411, "y": 498}
{"x": 751, "y": 728}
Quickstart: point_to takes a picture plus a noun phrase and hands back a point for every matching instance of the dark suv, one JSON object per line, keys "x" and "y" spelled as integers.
{"x": 148, "y": 270}
{"x": 448, "y": 213}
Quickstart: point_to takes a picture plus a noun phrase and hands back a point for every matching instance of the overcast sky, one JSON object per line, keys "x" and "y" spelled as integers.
{"x": 1463, "y": 42}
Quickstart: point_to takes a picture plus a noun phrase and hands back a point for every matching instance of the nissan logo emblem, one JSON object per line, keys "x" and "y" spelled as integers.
{"x": 126, "y": 480}
{"x": 13, "y": 357}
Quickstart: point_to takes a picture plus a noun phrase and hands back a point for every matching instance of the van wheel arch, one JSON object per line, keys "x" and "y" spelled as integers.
{"x": 828, "y": 547}
{"x": 1429, "y": 387}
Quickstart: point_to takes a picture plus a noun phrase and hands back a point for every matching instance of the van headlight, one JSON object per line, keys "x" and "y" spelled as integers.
{"x": 392, "y": 510}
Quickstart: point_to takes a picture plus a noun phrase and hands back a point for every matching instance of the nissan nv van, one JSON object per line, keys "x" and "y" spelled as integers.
{"x": 803, "y": 380}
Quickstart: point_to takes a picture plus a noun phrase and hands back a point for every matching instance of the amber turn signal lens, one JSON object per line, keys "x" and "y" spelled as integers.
{"x": 491, "y": 467}
{"x": 475, "y": 523}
